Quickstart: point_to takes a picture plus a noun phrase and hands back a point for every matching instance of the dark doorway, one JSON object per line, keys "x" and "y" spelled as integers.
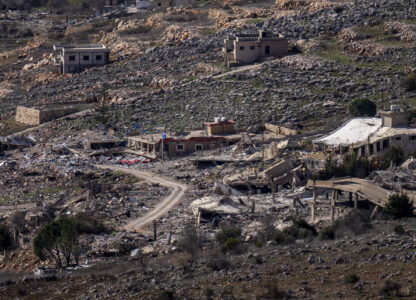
{"x": 267, "y": 50}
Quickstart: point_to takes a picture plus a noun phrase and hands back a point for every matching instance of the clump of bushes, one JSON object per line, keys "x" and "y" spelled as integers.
{"x": 363, "y": 108}
{"x": 272, "y": 291}
{"x": 190, "y": 240}
{"x": 229, "y": 237}
{"x": 358, "y": 222}
{"x": 89, "y": 225}
{"x": 351, "y": 278}
{"x": 59, "y": 239}
{"x": 327, "y": 233}
{"x": 399, "y": 206}
{"x": 393, "y": 155}
{"x": 410, "y": 82}
{"x": 217, "y": 261}
{"x": 351, "y": 166}
{"x": 232, "y": 243}
{"x": 227, "y": 232}
{"x": 300, "y": 229}
{"x": 391, "y": 289}
{"x": 399, "y": 229}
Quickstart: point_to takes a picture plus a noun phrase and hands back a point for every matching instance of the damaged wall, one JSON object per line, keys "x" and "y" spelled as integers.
{"x": 31, "y": 116}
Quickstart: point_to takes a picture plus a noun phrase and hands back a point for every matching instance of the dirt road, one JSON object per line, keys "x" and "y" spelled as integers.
{"x": 176, "y": 195}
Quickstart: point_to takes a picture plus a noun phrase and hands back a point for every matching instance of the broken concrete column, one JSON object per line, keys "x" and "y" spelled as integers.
{"x": 356, "y": 200}
{"x": 170, "y": 238}
{"x": 199, "y": 216}
{"x": 374, "y": 212}
{"x": 333, "y": 199}
{"x": 314, "y": 202}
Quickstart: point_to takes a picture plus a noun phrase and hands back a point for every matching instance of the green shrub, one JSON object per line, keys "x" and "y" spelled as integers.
{"x": 399, "y": 229}
{"x": 228, "y": 232}
{"x": 327, "y": 233}
{"x": 282, "y": 238}
{"x": 301, "y": 223}
{"x": 217, "y": 261}
{"x": 267, "y": 229}
{"x": 351, "y": 278}
{"x": 363, "y": 108}
{"x": 357, "y": 221}
{"x": 410, "y": 82}
{"x": 259, "y": 244}
{"x": 351, "y": 166}
{"x": 258, "y": 260}
{"x": 190, "y": 240}
{"x": 391, "y": 289}
{"x": 88, "y": 224}
{"x": 232, "y": 243}
{"x": 60, "y": 237}
{"x": 56, "y": 238}
{"x": 300, "y": 229}
{"x": 399, "y": 206}
{"x": 272, "y": 291}
{"x": 165, "y": 295}
{"x": 395, "y": 155}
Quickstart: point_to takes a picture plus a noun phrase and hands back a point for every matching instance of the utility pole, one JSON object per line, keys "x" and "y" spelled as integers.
{"x": 163, "y": 139}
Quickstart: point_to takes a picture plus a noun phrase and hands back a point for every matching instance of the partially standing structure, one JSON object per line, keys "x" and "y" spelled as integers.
{"x": 76, "y": 58}
{"x": 249, "y": 48}
{"x": 371, "y": 136}
{"x": 36, "y": 116}
{"x": 212, "y": 137}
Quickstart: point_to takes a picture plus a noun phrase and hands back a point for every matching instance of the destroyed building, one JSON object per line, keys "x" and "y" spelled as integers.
{"x": 211, "y": 138}
{"x": 150, "y": 145}
{"x": 249, "y": 48}
{"x": 371, "y": 136}
{"x": 76, "y": 58}
{"x": 143, "y": 4}
{"x": 15, "y": 143}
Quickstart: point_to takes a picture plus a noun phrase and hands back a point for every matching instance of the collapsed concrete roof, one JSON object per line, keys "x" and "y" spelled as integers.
{"x": 355, "y": 131}
{"x": 362, "y": 131}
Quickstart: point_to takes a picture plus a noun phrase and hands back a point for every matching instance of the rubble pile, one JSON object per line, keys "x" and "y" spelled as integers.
{"x": 406, "y": 32}
{"x": 162, "y": 217}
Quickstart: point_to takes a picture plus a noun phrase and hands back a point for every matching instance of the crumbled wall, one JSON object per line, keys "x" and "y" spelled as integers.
{"x": 33, "y": 117}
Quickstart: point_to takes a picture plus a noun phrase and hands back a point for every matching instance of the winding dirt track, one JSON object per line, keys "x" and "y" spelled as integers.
{"x": 176, "y": 195}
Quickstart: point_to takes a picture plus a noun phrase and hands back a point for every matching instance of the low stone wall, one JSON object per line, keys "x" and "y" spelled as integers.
{"x": 33, "y": 117}
{"x": 280, "y": 129}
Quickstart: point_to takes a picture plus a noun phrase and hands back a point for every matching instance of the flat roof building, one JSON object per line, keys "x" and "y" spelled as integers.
{"x": 76, "y": 58}
{"x": 220, "y": 126}
{"x": 371, "y": 136}
{"x": 249, "y": 48}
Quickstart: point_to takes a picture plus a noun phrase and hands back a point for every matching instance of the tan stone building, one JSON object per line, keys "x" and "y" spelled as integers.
{"x": 371, "y": 136}
{"x": 37, "y": 116}
{"x": 76, "y": 58}
{"x": 249, "y": 48}
{"x": 220, "y": 126}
